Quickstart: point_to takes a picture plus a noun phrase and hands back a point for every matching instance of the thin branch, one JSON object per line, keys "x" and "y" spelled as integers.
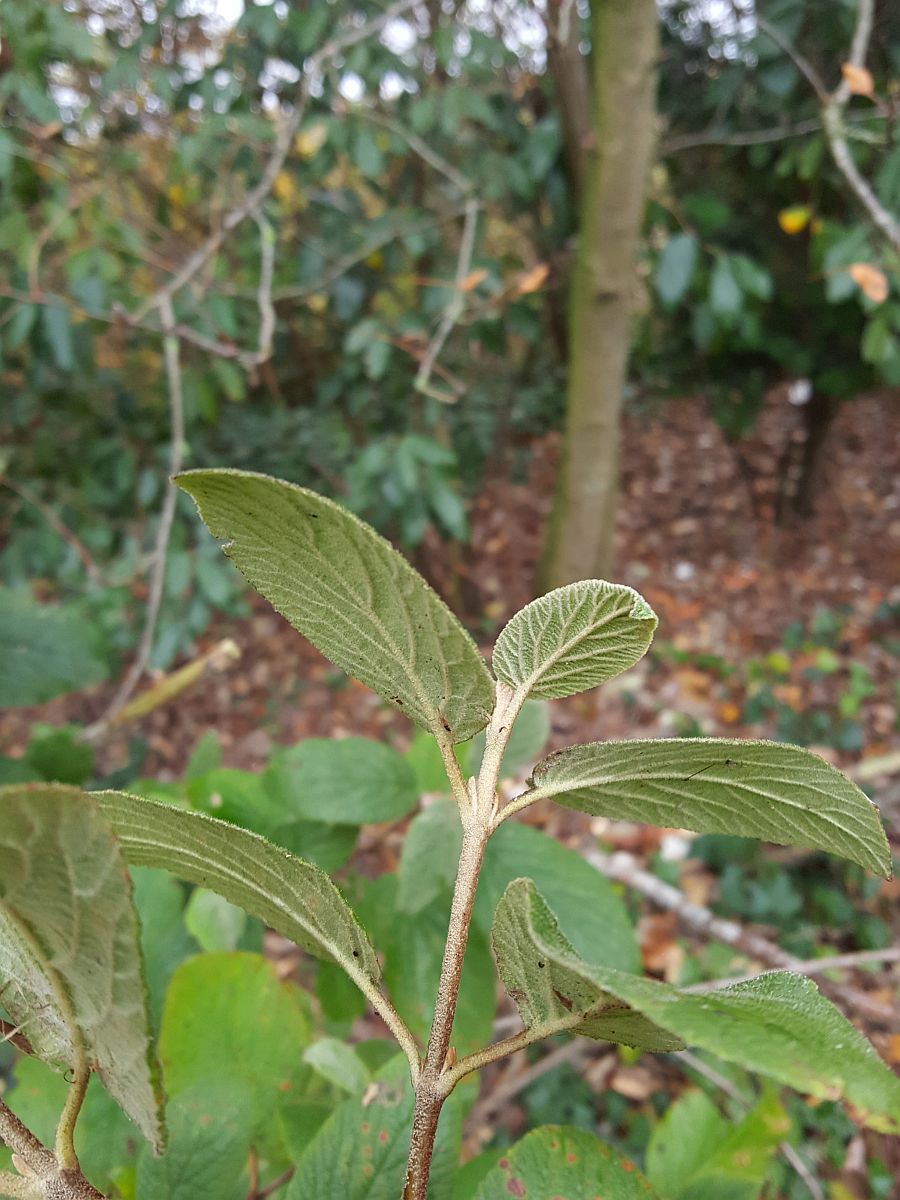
{"x": 803, "y": 65}
{"x": 172, "y": 355}
{"x": 833, "y": 117}
{"x": 264, "y": 291}
{"x": 812, "y": 966}
{"x": 574, "y": 1052}
{"x": 16, "y": 1187}
{"x": 33, "y": 1153}
{"x": 419, "y": 146}
{"x": 454, "y": 309}
{"x": 256, "y": 197}
{"x": 276, "y": 1183}
{"x": 624, "y": 869}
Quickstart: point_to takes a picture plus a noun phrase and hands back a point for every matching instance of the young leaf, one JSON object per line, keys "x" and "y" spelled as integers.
{"x": 777, "y": 1024}
{"x": 70, "y": 961}
{"x": 765, "y": 790}
{"x": 558, "y": 1161}
{"x": 574, "y": 638}
{"x": 351, "y": 594}
{"x": 296, "y": 899}
{"x": 533, "y": 959}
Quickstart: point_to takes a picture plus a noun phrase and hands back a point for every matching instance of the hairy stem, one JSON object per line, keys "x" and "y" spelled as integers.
{"x": 432, "y": 1088}
{"x": 65, "y": 1130}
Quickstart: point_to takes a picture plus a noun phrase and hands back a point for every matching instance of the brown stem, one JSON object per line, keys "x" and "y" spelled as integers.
{"x": 433, "y": 1088}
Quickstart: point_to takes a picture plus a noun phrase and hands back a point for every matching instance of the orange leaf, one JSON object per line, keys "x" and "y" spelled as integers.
{"x": 858, "y": 79}
{"x": 532, "y": 280}
{"x": 870, "y": 281}
{"x": 473, "y": 279}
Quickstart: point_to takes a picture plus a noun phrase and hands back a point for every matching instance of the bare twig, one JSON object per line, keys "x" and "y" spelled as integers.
{"x": 624, "y": 869}
{"x": 803, "y": 65}
{"x": 264, "y": 291}
{"x": 833, "y": 117}
{"x": 172, "y": 355}
{"x": 254, "y": 199}
{"x": 454, "y": 309}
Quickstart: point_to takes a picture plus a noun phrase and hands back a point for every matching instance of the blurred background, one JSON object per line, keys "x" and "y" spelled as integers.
{"x": 541, "y": 289}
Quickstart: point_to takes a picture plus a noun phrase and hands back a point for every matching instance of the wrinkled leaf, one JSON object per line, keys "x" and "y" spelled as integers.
{"x": 777, "y": 1024}
{"x": 294, "y": 898}
{"x": 766, "y": 790}
{"x": 208, "y": 1149}
{"x": 70, "y": 960}
{"x": 557, "y": 1161}
{"x": 573, "y": 639}
{"x": 533, "y": 958}
{"x": 351, "y": 594}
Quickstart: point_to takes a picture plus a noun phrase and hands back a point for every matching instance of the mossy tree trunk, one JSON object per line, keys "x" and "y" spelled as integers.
{"x": 604, "y": 286}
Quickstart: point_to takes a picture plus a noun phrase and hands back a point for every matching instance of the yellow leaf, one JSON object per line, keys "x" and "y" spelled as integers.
{"x": 175, "y": 194}
{"x": 317, "y": 302}
{"x": 532, "y": 280}
{"x": 858, "y": 79}
{"x": 795, "y": 219}
{"x": 284, "y": 187}
{"x": 870, "y": 281}
{"x": 375, "y": 261}
{"x": 309, "y": 142}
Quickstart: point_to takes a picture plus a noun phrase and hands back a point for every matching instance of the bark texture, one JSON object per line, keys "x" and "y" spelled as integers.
{"x": 604, "y": 286}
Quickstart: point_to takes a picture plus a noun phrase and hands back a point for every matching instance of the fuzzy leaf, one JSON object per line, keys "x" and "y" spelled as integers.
{"x": 348, "y": 591}
{"x": 777, "y": 1024}
{"x": 764, "y": 790}
{"x": 70, "y": 962}
{"x": 574, "y": 638}
{"x": 293, "y": 897}
{"x": 534, "y": 960}
{"x": 556, "y": 1161}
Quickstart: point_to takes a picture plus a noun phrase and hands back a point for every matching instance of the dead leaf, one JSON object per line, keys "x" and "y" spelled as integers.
{"x": 532, "y": 280}
{"x": 473, "y": 279}
{"x": 635, "y": 1083}
{"x": 858, "y": 79}
{"x": 870, "y": 280}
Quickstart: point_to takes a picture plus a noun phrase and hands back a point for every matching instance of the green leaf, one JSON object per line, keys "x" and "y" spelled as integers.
{"x": 266, "y": 804}
{"x": 360, "y": 1152}
{"x": 427, "y": 868}
{"x": 292, "y": 897}
{"x": 230, "y": 1022}
{"x": 70, "y": 961}
{"x": 351, "y": 594}
{"x": 44, "y": 650}
{"x": 725, "y": 295}
{"x": 676, "y": 267}
{"x": 556, "y": 1161}
{"x": 208, "y": 1148}
{"x": 592, "y": 915}
{"x": 339, "y": 1063}
{"x": 535, "y": 963}
{"x": 766, "y": 790}
{"x": 777, "y": 1024}
{"x": 349, "y": 780}
{"x": 413, "y": 947}
{"x": 574, "y": 638}
{"x": 57, "y": 326}
{"x": 58, "y": 756}
{"x": 160, "y": 901}
{"x": 214, "y": 922}
{"x": 695, "y": 1153}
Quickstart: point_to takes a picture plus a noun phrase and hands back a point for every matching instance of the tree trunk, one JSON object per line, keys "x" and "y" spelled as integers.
{"x": 582, "y": 527}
